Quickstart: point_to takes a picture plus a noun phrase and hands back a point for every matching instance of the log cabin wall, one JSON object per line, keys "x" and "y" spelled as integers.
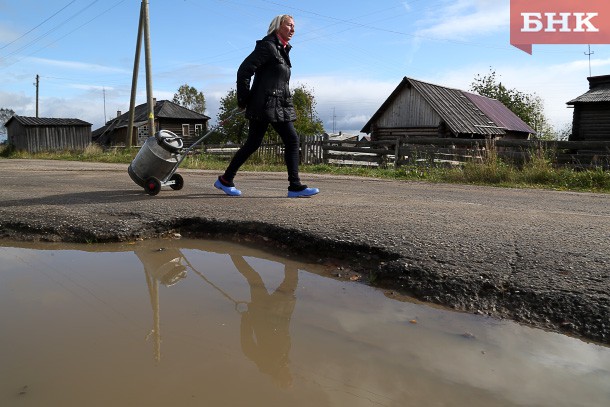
{"x": 591, "y": 122}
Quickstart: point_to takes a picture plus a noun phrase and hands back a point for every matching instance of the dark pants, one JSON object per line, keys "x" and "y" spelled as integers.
{"x": 256, "y": 133}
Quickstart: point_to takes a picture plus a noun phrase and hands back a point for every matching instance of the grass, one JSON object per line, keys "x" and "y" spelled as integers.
{"x": 92, "y": 153}
{"x": 538, "y": 172}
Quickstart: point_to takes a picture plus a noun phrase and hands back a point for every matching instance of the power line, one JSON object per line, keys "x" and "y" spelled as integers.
{"x": 56, "y": 13}
{"x": 64, "y": 36}
{"x": 52, "y": 29}
{"x": 361, "y": 25}
{"x": 80, "y": 26}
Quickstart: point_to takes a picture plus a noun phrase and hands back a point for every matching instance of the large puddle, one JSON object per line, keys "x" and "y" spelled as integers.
{"x": 203, "y": 323}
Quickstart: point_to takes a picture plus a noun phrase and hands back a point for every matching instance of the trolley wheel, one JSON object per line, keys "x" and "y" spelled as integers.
{"x": 152, "y": 186}
{"x": 178, "y": 182}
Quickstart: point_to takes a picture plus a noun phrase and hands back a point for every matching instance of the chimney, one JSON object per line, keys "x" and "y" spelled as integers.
{"x": 118, "y": 113}
{"x": 596, "y": 81}
{"x": 154, "y": 101}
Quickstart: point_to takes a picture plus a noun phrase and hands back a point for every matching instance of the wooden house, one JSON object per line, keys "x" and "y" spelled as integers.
{"x": 36, "y": 134}
{"x": 591, "y": 118}
{"x": 422, "y": 109}
{"x": 168, "y": 116}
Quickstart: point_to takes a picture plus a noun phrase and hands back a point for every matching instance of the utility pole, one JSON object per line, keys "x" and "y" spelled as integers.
{"x": 37, "y": 84}
{"x": 147, "y": 62}
{"x": 589, "y": 55}
{"x": 143, "y": 31}
{"x": 134, "y": 79}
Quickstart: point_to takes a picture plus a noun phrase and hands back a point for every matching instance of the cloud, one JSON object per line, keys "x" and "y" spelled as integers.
{"x": 74, "y": 108}
{"x": 78, "y": 66}
{"x": 346, "y": 104}
{"x": 82, "y": 86}
{"x": 17, "y": 101}
{"x": 465, "y": 19}
{"x": 7, "y": 35}
{"x": 87, "y": 106}
{"x": 342, "y": 103}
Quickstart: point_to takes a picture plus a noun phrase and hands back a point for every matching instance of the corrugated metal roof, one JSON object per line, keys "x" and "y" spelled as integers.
{"x": 164, "y": 109}
{"x": 463, "y": 112}
{"x": 46, "y": 121}
{"x": 600, "y": 93}
{"x": 460, "y": 114}
{"x": 168, "y": 109}
{"x": 501, "y": 115}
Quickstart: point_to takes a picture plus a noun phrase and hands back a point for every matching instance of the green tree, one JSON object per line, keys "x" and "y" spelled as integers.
{"x": 189, "y": 97}
{"x": 308, "y": 123}
{"x": 529, "y": 107}
{"x": 234, "y": 126}
{"x": 5, "y": 114}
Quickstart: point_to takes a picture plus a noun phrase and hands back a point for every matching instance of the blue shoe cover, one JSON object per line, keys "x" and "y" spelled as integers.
{"x": 231, "y": 191}
{"x": 304, "y": 193}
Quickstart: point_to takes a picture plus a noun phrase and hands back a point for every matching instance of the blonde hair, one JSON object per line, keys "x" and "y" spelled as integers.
{"x": 277, "y": 22}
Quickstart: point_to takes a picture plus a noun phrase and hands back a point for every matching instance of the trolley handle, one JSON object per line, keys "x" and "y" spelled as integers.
{"x": 232, "y": 113}
{"x": 184, "y": 152}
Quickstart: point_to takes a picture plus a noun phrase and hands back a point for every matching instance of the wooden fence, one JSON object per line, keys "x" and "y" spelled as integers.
{"x": 311, "y": 151}
{"x": 438, "y": 151}
{"x": 451, "y": 151}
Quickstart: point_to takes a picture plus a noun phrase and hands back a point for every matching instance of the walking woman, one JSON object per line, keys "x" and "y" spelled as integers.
{"x": 268, "y": 101}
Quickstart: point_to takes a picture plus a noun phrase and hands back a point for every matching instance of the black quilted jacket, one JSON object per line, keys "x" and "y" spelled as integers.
{"x": 269, "y": 97}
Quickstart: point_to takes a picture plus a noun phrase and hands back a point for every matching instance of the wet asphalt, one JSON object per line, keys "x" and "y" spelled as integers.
{"x": 534, "y": 256}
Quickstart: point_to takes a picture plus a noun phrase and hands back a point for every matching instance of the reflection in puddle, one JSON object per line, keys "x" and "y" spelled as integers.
{"x": 235, "y": 326}
{"x": 265, "y": 319}
{"x": 265, "y": 323}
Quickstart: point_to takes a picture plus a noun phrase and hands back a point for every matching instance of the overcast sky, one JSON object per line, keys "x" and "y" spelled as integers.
{"x": 351, "y": 54}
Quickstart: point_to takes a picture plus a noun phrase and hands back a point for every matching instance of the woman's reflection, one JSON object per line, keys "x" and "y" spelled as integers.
{"x": 265, "y": 324}
{"x": 265, "y": 320}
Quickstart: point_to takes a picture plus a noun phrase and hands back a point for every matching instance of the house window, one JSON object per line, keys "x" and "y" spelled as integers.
{"x": 142, "y": 134}
{"x": 199, "y": 129}
{"x": 186, "y": 130}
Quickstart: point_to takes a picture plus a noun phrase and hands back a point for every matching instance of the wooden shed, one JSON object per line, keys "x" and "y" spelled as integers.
{"x": 418, "y": 108}
{"x": 36, "y": 134}
{"x": 168, "y": 116}
{"x": 591, "y": 118}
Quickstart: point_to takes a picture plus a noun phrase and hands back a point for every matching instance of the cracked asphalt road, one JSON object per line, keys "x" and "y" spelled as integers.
{"x": 538, "y": 257}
